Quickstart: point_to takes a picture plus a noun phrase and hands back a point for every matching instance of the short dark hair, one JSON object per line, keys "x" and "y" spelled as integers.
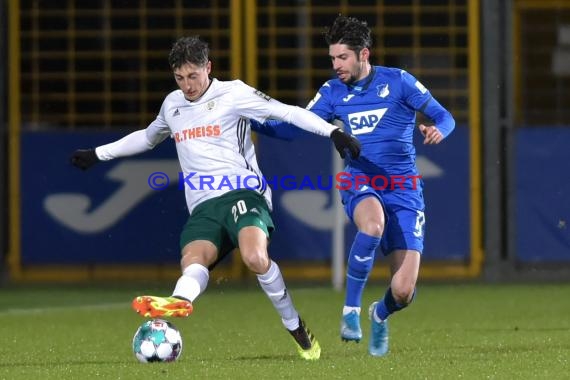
{"x": 349, "y": 31}
{"x": 189, "y": 50}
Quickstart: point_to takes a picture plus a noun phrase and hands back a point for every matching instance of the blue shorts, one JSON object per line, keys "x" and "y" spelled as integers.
{"x": 403, "y": 211}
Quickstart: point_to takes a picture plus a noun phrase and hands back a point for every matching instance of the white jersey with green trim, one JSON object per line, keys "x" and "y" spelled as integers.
{"x": 213, "y": 137}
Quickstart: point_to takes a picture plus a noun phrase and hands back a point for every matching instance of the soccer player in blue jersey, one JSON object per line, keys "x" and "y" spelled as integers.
{"x": 382, "y": 191}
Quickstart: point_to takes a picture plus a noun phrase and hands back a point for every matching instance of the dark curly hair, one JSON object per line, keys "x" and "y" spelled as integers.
{"x": 349, "y": 31}
{"x": 189, "y": 50}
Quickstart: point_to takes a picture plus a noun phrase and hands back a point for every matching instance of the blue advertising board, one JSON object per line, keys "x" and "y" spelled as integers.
{"x": 304, "y": 217}
{"x": 111, "y": 215}
{"x": 106, "y": 215}
{"x": 542, "y": 201}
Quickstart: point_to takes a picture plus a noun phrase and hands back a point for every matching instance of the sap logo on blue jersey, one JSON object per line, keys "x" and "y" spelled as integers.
{"x": 365, "y": 122}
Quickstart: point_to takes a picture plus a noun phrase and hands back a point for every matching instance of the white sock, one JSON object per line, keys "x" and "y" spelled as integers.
{"x": 192, "y": 283}
{"x": 376, "y": 317}
{"x": 347, "y": 309}
{"x": 273, "y": 285}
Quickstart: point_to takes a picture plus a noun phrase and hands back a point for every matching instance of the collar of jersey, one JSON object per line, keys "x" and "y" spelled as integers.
{"x": 363, "y": 84}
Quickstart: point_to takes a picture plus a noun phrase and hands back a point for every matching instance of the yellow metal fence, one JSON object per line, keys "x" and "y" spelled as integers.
{"x": 104, "y": 63}
{"x": 542, "y": 62}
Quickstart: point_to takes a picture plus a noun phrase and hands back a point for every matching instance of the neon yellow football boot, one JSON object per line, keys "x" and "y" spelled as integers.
{"x": 307, "y": 345}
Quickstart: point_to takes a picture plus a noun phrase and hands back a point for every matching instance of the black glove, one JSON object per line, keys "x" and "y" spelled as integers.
{"x": 84, "y": 158}
{"x": 343, "y": 142}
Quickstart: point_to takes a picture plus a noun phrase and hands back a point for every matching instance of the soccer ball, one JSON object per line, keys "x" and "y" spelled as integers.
{"x": 157, "y": 341}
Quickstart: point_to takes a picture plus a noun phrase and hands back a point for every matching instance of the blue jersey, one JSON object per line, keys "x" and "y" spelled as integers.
{"x": 380, "y": 110}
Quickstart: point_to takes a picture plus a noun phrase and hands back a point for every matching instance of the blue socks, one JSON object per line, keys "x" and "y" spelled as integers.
{"x": 360, "y": 262}
{"x": 388, "y": 305}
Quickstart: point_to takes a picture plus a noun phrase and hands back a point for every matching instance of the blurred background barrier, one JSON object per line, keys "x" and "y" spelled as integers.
{"x": 80, "y": 74}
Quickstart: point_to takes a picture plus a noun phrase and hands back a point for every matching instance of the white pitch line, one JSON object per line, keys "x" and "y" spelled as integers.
{"x": 49, "y": 309}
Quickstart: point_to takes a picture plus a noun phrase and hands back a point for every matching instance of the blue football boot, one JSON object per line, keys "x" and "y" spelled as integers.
{"x": 378, "y": 345}
{"x": 350, "y": 327}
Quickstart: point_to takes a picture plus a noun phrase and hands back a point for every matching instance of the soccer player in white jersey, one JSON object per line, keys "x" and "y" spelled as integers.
{"x": 209, "y": 122}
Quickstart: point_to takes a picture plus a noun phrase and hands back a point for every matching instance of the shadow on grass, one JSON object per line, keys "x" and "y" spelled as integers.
{"x": 55, "y": 363}
{"x": 496, "y": 329}
{"x": 265, "y": 357}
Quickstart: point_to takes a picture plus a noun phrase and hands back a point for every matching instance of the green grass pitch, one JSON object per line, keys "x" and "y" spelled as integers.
{"x": 452, "y": 331}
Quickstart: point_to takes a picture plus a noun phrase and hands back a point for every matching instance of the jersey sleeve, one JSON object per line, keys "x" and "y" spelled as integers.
{"x": 286, "y": 131}
{"x": 442, "y": 118}
{"x": 256, "y": 105}
{"x": 158, "y": 130}
{"x": 321, "y": 104}
{"x": 413, "y": 91}
{"x": 420, "y": 99}
{"x": 136, "y": 142}
{"x": 278, "y": 129}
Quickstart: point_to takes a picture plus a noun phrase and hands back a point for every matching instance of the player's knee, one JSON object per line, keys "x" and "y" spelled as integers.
{"x": 404, "y": 295}
{"x": 256, "y": 261}
{"x": 198, "y": 252}
{"x": 192, "y": 257}
{"x": 372, "y": 227}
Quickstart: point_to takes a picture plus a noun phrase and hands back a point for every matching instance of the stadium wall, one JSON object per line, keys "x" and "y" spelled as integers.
{"x": 98, "y": 80}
